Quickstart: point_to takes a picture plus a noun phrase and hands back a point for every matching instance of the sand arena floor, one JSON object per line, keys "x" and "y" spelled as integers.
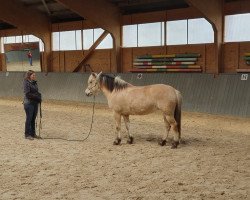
{"x": 213, "y": 164}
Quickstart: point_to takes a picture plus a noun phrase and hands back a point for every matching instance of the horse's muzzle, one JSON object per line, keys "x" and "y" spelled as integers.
{"x": 88, "y": 94}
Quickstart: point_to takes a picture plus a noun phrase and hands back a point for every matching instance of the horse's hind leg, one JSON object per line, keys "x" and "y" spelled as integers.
{"x": 127, "y": 123}
{"x": 117, "y": 117}
{"x": 163, "y": 141}
{"x": 173, "y": 124}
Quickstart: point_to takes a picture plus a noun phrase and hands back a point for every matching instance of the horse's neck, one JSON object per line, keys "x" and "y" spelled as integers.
{"x": 106, "y": 92}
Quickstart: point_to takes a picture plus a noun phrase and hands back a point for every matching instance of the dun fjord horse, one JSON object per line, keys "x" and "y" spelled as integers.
{"x": 125, "y": 99}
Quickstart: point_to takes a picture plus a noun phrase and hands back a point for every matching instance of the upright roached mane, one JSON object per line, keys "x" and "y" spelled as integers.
{"x": 125, "y": 99}
{"x": 113, "y": 83}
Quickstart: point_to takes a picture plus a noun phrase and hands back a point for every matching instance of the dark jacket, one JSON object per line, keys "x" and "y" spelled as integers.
{"x": 31, "y": 94}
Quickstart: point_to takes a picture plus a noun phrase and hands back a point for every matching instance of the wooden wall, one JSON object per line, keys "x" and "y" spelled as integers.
{"x": 233, "y": 56}
{"x": 206, "y": 61}
{"x": 2, "y": 62}
{"x": 67, "y": 61}
{"x": 233, "y": 53}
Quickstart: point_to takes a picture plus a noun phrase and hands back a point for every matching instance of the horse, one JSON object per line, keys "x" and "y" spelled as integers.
{"x": 126, "y": 99}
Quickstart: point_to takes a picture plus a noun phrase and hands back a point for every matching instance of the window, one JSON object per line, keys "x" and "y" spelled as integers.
{"x": 78, "y": 40}
{"x": 192, "y": 31}
{"x": 200, "y": 31}
{"x": 237, "y": 28}
{"x": 67, "y": 40}
{"x": 21, "y": 39}
{"x": 9, "y": 40}
{"x": 130, "y": 36}
{"x": 88, "y": 38}
{"x": 32, "y": 38}
{"x": 107, "y": 42}
{"x": 150, "y": 34}
{"x": 55, "y": 41}
{"x": 177, "y": 32}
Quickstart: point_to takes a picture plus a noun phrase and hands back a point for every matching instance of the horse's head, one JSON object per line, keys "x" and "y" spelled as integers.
{"x": 93, "y": 84}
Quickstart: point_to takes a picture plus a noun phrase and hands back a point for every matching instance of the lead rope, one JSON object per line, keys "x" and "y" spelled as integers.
{"x": 40, "y": 120}
{"x": 57, "y": 138}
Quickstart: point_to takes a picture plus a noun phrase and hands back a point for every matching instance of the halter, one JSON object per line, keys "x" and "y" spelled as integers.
{"x": 90, "y": 89}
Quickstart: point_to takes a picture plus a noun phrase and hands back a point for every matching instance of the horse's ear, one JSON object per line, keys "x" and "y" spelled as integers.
{"x": 98, "y": 76}
{"x": 93, "y": 74}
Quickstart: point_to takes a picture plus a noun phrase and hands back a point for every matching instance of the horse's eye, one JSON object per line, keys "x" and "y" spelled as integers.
{"x": 90, "y": 82}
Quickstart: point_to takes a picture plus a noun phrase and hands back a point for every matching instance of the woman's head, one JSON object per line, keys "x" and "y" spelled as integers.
{"x": 30, "y": 75}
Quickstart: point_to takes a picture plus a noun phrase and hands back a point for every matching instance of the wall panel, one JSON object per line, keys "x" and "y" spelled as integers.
{"x": 210, "y": 65}
{"x": 244, "y": 48}
{"x": 72, "y": 60}
{"x": 55, "y": 61}
{"x": 230, "y": 57}
{"x": 100, "y": 60}
{"x": 127, "y": 59}
{"x": 226, "y": 94}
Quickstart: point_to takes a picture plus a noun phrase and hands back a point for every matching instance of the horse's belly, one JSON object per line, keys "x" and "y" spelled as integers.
{"x": 139, "y": 110}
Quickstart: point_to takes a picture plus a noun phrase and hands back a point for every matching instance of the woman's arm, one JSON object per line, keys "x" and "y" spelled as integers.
{"x": 36, "y": 96}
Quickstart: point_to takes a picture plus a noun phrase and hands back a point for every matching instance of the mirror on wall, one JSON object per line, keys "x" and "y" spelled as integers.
{"x": 22, "y": 56}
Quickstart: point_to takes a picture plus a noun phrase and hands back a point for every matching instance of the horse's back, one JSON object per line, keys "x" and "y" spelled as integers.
{"x": 162, "y": 90}
{"x": 153, "y": 92}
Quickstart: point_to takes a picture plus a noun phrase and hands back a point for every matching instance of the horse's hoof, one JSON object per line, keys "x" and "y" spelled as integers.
{"x": 174, "y": 145}
{"x": 162, "y": 142}
{"x": 117, "y": 141}
{"x": 130, "y": 140}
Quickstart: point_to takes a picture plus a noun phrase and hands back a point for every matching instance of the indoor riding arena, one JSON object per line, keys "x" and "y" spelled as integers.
{"x": 125, "y": 100}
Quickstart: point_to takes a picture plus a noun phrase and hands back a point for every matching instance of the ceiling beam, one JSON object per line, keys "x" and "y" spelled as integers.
{"x": 28, "y": 21}
{"x": 38, "y": 3}
{"x": 101, "y": 12}
{"x": 46, "y": 7}
{"x": 213, "y": 11}
{"x": 104, "y": 14}
{"x": 137, "y": 3}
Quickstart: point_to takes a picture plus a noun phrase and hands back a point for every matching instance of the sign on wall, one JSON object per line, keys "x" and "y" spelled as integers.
{"x": 244, "y": 77}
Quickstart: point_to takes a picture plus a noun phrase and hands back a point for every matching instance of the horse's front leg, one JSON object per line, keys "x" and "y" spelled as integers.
{"x": 127, "y": 123}
{"x": 117, "y": 117}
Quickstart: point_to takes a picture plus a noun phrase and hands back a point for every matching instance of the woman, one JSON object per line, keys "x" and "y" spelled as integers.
{"x": 31, "y": 100}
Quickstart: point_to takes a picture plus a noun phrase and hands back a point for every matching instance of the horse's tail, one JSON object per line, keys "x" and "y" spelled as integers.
{"x": 177, "y": 112}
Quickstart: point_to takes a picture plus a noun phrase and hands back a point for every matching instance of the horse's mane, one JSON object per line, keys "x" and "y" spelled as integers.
{"x": 113, "y": 83}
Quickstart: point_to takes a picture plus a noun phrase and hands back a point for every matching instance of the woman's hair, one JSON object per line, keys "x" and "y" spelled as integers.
{"x": 28, "y": 74}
